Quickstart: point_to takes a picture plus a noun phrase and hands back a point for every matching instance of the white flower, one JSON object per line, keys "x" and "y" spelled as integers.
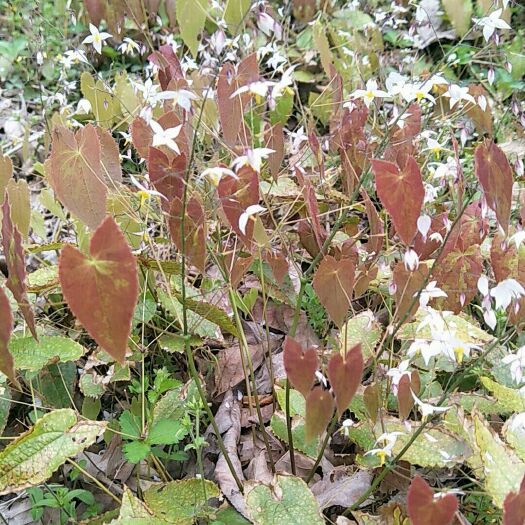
{"x": 96, "y": 38}
{"x": 165, "y": 137}
{"x": 434, "y": 146}
{"x": 418, "y": 92}
{"x": 506, "y": 291}
{"x": 369, "y": 94}
{"x": 427, "y": 409}
{"x": 518, "y": 238}
{"x": 268, "y": 25}
{"x": 83, "y": 106}
{"x": 397, "y": 373}
{"x": 259, "y": 87}
{"x": 181, "y": 97}
{"x": 517, "y": 364}
{"x": 389, "y": 439}
{"x": 253, "y": 158}
{"x": 483, "y": 285}
{"x": 491, "y": 23}
{"x": 457, "y": 93}
{"x": 279, "y": 88}
{"x": 411, "y": 260}
{"x": 129, "y": 47}
{"x": 214, "y": 175}
{"x": 423, "y": 225}
{"x": 250, "y": 211}
{"x": 73, "y": 57}
{"x": 143, "y": 191}
{"x": 394, "y": 83}
{"x": 430, "y": 292}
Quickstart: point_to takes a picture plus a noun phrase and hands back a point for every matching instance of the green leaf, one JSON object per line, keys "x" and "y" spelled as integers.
{"x": 181, "y": 502}
{"x": 136, "y": 451}
{"x": 35, "y": 455}
{"x": 167, "y": 432}
{"x": 459, "y": 13}
{"x": 89, "y": 387}
{"x": 464, "y": 327}
{"x": 42, "y": 279}
{"x": 508, "y": 397}
{"x": 129, "y": 425}
{"x": 33, "y": 355}
{"x": 288, "y": 501}
{"x": 278, "y": 427}
{"x": 502, "y": 468}
{"x": 514, "y": 433}
{"x": 364, "y": 329}
{"x": 134, "y": 512}
{"x": 297, "y": 402}
{"x": 235, "y": 12}
{"x": 230, "y": 516}
{"x": 56, "y": 384}
{"x": 191, "y": 17}
{"x": 436, "y": 447}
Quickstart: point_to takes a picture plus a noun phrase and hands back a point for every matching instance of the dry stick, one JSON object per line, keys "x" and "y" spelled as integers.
{"x": 244, "y": 344}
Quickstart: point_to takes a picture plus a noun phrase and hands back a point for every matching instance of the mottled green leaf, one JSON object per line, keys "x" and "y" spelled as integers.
{"x": 288, "y": 501}
{"x": 33, "y": 355}
{"x": 36, "y": 454}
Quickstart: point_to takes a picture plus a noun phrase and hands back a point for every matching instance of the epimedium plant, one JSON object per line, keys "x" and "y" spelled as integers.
{"x": 287, "y": 269}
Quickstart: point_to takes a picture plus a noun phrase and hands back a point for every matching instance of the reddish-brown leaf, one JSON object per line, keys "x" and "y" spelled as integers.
{"x": 333, "y": 283}
{"x": 75, "y": 174}
{"x": 300, "y": 365}
{"x": 371, "y": 397}
{"x": 168, "y": 63}
{"x": 401, "y": 145}
{"x": 319, "y": 410}
{"x": 16, "y": 268}
{"x": 109, "y": 158}
{"x": 514, "y": 507}
{"x": 423, "y": 509}
{"x": 376, "y": 235}
{"x": 275, "y": 140}
{"x": 495, "y": 175}
{"x": 345, "y": 374}
{"x": 6, "y": 172}
{"x": 311, "y": 205}
{"x": 167, "y": 175}
{"x": 457, "y": 275}
{"x": 236, "y": 194}
{"x": 6, "y": 327}
{"x": 407, "y": 284}
{"x": 231, "y": 78}
{"x": 401, "y": 191}
{"x": 102, "y": 288}
{"x": 195, "y": 230}
{"x": 404, "y": 397}
{"x": 279, "y": 265}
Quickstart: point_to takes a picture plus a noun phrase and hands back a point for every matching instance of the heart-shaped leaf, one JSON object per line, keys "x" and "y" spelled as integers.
{"x": 333, "y": 283}
{"x": 6, "y": 327}
{"x": 401, "y": 191}
{"x": 300, "y": 365}
{"x": 319, "y": 410}
{"x": 345, "y": 374}
{"x": 16, "y": 268}
{"x": 495, "y": 175}
{"x": 514, "y": 507}
{"x": 194, "y": 229}
{"x": 102, "y": 289}
{"x": 423, "y": 509}
{"x": 74, "y": 171}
